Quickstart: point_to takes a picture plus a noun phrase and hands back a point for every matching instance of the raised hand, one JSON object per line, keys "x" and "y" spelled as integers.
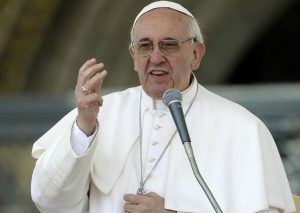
{"x": 88, "y": 94}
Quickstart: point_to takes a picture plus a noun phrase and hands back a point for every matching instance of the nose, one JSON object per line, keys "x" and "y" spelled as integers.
{"x": 157, "y": 56}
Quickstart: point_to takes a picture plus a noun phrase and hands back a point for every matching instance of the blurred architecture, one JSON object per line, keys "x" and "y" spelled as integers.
{"x": 252, "y": 58}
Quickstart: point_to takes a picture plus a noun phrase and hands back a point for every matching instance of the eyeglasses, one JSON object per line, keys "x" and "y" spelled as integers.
{"x": 167, "y": 46}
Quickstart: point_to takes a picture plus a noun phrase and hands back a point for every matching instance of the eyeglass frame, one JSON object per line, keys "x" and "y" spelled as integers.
{"x": 153, "y": 44}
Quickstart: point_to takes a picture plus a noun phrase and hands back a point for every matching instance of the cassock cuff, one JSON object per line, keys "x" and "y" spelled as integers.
{"x": 80, "y": 143}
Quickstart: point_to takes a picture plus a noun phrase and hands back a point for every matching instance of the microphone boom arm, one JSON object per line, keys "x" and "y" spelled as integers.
{"x": 172, "y": 98}
{"x": 189, "y": 151}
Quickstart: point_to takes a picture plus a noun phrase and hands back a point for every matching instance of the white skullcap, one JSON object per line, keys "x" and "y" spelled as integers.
{"x": 162, "y": 4}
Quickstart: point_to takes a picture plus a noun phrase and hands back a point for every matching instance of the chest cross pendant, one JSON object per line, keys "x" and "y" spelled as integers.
{"x": 140, "y": 191}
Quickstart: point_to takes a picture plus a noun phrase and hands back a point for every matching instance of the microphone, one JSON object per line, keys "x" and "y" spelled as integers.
{"x": 172, "y": 99}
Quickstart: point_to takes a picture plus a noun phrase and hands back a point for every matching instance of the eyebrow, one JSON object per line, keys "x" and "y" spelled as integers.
{"x": 169, "y": 38}
{"x": 147, "y": 39}
{"x": 144, "y": 39}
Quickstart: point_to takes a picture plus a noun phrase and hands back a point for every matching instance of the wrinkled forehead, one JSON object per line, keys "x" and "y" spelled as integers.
{"x": 162, "y": 4}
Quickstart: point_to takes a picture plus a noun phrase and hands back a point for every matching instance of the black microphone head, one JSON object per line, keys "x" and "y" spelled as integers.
{"x": 171, "y": 95}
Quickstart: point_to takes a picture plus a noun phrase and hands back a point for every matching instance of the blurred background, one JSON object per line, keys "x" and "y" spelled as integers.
{"x": 252, "y": 58}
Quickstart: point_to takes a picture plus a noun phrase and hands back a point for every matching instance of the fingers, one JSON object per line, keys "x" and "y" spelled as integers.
{"x": 138, "y": 199}
{"x": 91, "y": 75}
{"x": 95, "y": 82}
{"x": 90, "y": 78}
{"x": 132, "y": 208}
{"x": 149, "y": 202}
{"x": 88, "y": 94}
{"x": 87, "y": 64}
{"x": 133, "y": 198}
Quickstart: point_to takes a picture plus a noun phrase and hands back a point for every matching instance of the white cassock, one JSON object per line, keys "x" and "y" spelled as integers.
{"x": 235, "y": 153}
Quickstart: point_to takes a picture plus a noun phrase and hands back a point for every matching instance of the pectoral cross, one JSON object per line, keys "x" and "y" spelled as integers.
{"x": 140, "y": 191}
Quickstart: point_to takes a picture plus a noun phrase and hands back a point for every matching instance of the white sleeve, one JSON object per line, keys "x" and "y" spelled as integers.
{"x": 60, "y": 179}
{"x": 79, "y": 141}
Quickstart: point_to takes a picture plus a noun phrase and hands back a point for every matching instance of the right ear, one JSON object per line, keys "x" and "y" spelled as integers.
{"x": 133, "y": 56}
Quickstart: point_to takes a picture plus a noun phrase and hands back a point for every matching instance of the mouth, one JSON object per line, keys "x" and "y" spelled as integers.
{"x": 158, "y": 73}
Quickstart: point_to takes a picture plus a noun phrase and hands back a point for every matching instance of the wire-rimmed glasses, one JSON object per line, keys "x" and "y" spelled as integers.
{"x": 166, "y": 46}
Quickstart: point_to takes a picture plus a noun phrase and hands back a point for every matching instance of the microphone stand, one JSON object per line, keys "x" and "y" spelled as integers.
{"x": 189, "y": 151}
{"x": 172, "y": 98}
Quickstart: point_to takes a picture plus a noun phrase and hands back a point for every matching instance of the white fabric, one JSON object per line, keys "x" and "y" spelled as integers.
{"x": 162, "y": 4}
{"x": 234, "y": 151}
{"x": 79, "y": 141}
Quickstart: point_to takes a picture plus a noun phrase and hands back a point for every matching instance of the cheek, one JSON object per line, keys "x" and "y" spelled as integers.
{"x": 140, "y": 68}
{"x": 187, "y": 62}
{"x": 180, "y": 67}
{"x": 140, "y": 65}
{"x": 181, "y": 72}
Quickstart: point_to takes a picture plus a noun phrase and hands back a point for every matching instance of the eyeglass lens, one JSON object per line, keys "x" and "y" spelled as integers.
{"x": 168, "y": 47}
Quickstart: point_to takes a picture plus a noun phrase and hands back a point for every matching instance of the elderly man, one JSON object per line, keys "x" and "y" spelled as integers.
{"x": 123, "y": 152}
